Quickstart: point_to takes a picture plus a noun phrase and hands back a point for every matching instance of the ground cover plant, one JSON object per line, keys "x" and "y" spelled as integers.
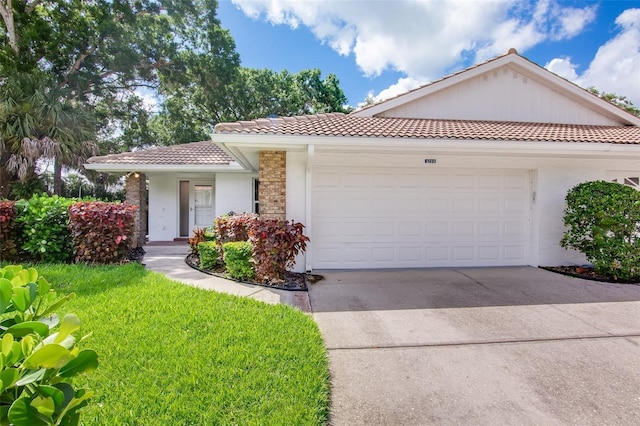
{"x": 173, "y": 354}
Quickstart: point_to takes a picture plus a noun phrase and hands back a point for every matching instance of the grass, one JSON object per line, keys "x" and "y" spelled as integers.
{"x": 173, "y": 354}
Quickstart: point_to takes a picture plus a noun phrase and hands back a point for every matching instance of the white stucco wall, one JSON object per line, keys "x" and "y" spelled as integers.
{"x": 163, "y": 207}
{"x": 234, "y": 193}
{"x": 296, "y": 196}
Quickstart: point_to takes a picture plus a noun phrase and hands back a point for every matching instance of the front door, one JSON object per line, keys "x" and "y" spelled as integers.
{"x": 197, "y": 205}
{"x": 202, "y": 202}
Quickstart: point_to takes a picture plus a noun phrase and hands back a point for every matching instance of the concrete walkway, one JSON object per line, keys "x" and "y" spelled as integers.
{"x": 169, "y": 260}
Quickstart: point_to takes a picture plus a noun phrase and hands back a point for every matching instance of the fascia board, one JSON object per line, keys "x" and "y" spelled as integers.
{"x": 110, "y": 167}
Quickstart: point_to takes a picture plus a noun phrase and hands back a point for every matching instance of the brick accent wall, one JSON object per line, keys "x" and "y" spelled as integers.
{"x": 272, "y": 194}
{"x": 136, "y": 190}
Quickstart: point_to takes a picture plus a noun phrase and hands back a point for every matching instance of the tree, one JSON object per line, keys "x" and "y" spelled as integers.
{"x": 37, "y": 121}
{"x": 190, "y": 112}
{"x": 100, "y": 54}
{"x": 101, "y": 57}
{"x": 618, "y": 100}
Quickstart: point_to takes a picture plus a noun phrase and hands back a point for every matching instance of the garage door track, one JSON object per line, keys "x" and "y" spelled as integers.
{"x": 492, "y": 346}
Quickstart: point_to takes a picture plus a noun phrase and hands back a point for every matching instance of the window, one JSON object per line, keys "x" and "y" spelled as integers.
{"x": 256, "y": 198}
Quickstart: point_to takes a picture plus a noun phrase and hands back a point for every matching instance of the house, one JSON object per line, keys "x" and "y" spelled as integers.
{"x": 470, "y": 170}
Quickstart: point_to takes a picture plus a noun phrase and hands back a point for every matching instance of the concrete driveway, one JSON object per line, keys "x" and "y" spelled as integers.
{"x": 479, "y": 346}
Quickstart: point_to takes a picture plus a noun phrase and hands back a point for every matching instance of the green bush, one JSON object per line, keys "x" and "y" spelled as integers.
{"x": 210, "y": 234}
{"x": 43, "y": 222}
{"x": 237, "y": 256}
{"x": 38, "y": 353}
{"x": 209, "y": 254}
{"x": 603, "y": 220}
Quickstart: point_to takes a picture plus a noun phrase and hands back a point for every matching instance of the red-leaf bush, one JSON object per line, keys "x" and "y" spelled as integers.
{"x": 102, "y": 232}
{"x": 197, "y": 238}
{"x": 276, "y": 244}
{"x": 234, "y": 227}
{"x": 8, "y": 237}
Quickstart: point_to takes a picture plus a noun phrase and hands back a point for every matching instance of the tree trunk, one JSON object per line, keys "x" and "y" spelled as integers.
{"x": 6, "y": 11}
{"x": 5, "y": 177}
{"x": 57, "y": 177}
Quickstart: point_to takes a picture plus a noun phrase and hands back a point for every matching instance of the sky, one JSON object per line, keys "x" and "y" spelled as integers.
{"x": 382, "y": 48}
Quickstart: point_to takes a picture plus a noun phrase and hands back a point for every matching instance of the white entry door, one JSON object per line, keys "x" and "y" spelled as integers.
{"x": 201, "y": 204}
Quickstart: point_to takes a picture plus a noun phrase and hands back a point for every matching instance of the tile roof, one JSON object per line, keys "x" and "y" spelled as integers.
{"x": 340, "y": 125}
{"x": 197, "y": 153}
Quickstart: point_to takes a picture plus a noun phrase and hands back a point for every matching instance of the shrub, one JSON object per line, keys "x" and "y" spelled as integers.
{"x": 102, "y": 232}
{"x": 603, "y": 220}
{"x": 234, "y": 227}
{"x": 195, "y": 240}
{"x": 276, "y": 244}
{"x": 43, "y": 222}
{"x": 210, "y": 234}
{"x": 39, "y": 353}
{"x": 8, "y": 237}
{"x": 237, "y": 256}
{"x": 209, "y": 254}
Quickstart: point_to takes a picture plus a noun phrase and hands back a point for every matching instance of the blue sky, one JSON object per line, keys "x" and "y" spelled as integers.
{"x": 384, "y": 48}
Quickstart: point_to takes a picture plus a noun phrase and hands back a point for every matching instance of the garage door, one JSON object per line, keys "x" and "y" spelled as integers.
{"x": 365, "y": 218}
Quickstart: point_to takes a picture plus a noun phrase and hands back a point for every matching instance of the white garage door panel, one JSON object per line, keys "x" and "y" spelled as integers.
{"x": 366, "y": 219}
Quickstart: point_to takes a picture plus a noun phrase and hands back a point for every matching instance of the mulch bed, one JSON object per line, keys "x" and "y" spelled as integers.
{"x": 293, "y": 281}
{"x": 587, "y": 273}
{"x": 136, "y": 254}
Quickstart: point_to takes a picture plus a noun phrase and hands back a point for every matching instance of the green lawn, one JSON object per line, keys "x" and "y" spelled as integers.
{"x": 176, "y": 355}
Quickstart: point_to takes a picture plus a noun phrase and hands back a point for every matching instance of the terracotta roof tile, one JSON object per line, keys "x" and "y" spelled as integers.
{"x": 197, "y": 153}
{"x": 337, "y": 125}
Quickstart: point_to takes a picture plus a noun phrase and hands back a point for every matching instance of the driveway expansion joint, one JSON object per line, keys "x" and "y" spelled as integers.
{"x": 472, "y": 279}
{"x": 486, "y": 342}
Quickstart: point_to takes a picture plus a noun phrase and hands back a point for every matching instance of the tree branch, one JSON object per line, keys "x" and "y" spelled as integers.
{"x": 78, "y": 63}
{"x": 31, "y": 7}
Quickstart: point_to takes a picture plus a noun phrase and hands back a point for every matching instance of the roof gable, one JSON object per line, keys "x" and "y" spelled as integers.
{"x": 507, "y": 88}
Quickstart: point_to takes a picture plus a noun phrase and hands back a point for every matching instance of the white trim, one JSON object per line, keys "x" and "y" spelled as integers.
{"x": 143, "y": 168}
{"x": 238, "y": 156}
{"x": 309, "y": 204}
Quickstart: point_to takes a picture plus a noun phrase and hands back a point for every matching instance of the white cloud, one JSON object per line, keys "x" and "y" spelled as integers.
{"x": 424, "y": 39}
{"x": 616, "y": 65}
{"x": 402, "y": 86}
{"x": 563, "y": 67}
